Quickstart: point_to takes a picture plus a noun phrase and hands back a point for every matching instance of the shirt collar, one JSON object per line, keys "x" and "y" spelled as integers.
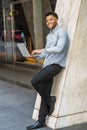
{"x": 54, "y": 29}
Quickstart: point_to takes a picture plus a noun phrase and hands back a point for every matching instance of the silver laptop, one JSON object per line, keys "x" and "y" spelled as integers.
{"x": 23, "y": 50}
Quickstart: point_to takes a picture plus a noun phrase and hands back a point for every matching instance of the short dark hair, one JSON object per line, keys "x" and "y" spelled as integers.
{"x": 51, "y": 13}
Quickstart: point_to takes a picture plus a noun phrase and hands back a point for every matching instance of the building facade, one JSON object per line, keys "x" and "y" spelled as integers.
{"x": 22, "y": 21}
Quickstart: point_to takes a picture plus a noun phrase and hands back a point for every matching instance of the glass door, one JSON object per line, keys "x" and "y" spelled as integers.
{"x": 7, "y": 34}
{"x": 17, "y": 28}
{"x": 23, "y": 28}
{"x": 23, "y": 22}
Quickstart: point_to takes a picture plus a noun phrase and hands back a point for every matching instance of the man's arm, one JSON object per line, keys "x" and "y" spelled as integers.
{"x": 38, "y": 54}
{"x": 61, "y": 43}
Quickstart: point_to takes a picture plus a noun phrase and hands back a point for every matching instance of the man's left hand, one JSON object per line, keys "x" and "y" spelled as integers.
{"x": 37, "y": 51}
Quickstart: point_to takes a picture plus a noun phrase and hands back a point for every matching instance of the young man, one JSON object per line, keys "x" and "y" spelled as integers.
{"x": 55, "y": 54}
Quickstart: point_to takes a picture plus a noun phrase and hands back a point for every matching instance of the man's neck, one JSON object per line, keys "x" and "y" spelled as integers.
{"x": 53, "y": 28}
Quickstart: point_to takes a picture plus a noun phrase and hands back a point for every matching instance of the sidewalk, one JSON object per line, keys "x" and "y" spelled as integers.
{"x": 18, "y": 75}
{"x": 16, "y": 106}
{"x": 17, "y": 103}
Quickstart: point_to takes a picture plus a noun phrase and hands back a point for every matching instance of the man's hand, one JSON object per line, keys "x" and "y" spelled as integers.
{"x": 37, "y": 51}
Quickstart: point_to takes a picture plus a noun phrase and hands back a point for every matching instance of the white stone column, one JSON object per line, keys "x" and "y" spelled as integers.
{"x": 70, "y": 86}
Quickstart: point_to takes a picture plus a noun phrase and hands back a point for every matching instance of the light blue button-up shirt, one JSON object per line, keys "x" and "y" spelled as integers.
{"x": 55, "y": 52}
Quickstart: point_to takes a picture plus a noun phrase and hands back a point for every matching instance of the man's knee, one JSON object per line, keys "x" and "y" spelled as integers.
{"x": 34, "y": 82}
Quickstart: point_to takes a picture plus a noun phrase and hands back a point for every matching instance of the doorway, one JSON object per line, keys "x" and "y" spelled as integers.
{"x": 17, "y": 28}
{"x": 24, "y": 22}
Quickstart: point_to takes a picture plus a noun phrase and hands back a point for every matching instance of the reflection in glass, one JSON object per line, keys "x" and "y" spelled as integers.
{"x": 23, "y": 22}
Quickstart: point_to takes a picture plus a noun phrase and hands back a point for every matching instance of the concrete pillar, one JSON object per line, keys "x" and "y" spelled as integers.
{"x": 70, "y": 86}
{"x": 28, "y": 12}
{"x": 38, "y": 30}
{"x": 33, "y": 14}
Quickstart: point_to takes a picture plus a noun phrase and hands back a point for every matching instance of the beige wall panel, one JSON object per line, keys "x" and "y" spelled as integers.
{"x": 75, "y": 90}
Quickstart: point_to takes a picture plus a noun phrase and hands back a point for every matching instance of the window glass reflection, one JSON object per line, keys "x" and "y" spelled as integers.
{"x": 22, "y": 21}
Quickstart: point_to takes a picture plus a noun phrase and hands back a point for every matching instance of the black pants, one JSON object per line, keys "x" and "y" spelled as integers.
{"x": 42, "y": 82}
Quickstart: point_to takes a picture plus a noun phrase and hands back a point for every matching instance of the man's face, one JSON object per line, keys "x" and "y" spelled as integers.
{"x": 51, "y": 21}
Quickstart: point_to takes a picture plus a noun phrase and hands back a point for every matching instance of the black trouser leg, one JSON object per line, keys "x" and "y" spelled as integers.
{"x": 42, "y": 82}
{"x": 44, "y": 100}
